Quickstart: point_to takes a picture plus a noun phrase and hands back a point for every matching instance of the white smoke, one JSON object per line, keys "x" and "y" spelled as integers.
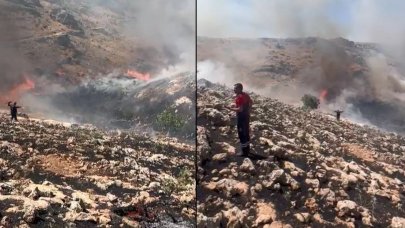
{"x": 376, "y": 96}
{"x": 215, "y": 72}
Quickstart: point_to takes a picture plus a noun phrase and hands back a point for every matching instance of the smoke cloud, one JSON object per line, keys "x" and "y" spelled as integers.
{"x": 13, "y": 63}
{"x": 165, "y": 25}
{"x": 372, "y": 94}
{"x": 362, "y": 20}
{"x": 162, "y": 35}
{"x": 215, "y": 72}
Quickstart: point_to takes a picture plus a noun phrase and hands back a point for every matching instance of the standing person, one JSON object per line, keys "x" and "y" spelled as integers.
{"x": 338, "y": 112}
{"x": 242, "y": 107}
{"x": 13, "y": 110}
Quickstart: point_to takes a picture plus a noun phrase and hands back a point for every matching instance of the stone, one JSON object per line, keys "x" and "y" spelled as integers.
{"x": 112, "y": 198}
{"x": 265, "y": 214}
{"x": 346, "y": 207}
{"x": 234, "y": 217}
{"x": 222, "y": 157}
{"x": 30, "y": 214}
{"x": 314, "y": 183}
{"x": 247, "y": 166}
{"x": 397, "y": 222}
{"x": 303, "y": 217}
{"x": 75, "y": 206}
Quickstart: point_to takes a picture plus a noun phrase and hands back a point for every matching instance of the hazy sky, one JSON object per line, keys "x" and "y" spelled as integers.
{"x": 360, "y": 20}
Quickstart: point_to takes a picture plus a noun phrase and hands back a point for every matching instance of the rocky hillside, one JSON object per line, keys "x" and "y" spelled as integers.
{"x": 165, "y": 105}
{"x": 319, "y": 172}
{"x": 55, "y": 175}
{"x": 274, "y": 60}
{"x": 364, "y": 79}
{"x": 66, "y": 40}
{"x": 98, "y": 62}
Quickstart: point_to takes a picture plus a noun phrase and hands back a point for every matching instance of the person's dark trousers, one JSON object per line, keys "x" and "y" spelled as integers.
{"x": 243, "y": 133}
{"x": 14, "y": 117}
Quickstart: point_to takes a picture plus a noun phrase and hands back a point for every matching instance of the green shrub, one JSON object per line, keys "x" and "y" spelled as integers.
{"x": 185, "y": 178}
{"x": 310, "y": 102}
{"x": 169, "y": 186}
{"x": 170, "y": 120}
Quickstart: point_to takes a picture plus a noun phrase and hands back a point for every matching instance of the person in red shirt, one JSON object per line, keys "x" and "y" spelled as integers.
{"x": 242, "y": 107}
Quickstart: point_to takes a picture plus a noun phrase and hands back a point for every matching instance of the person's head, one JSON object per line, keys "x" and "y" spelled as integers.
{"x": 238, "y": 88}
{"x": 15, "y": 103}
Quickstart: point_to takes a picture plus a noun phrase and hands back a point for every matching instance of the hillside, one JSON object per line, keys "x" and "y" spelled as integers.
{"x": 364, "y": 79}
{"x": 55, "y": 175}
{"x": 274, "y": 60}
{"x": 159, "y": 106}
{"x": 319, "y": 172}
{"x": 96, "y": 62}
{"x": 66, "y": 40}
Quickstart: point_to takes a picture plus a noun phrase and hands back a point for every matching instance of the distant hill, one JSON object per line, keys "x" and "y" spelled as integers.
{"x": 364, "y": 79}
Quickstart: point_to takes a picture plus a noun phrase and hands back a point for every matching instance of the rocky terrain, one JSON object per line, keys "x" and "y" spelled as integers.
{"x": 90, "y": 62}
{"x": 68, "y": 175}
{"x": 269, "y": 61}
{"x": 364, "y": 79}
{"x": 163, "y": 105}
{"x": 66, "y": 40}
{"x": 82, "y": 70}
{"x": 318, "y": 172}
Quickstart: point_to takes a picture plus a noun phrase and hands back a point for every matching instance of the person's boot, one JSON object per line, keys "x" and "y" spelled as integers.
{"x": 244, "y": 152}
{"x": 247, "y": 149}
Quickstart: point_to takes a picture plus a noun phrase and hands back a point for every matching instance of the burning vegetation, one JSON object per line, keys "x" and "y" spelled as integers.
{"x": 17, "y": 91}
{"x": 138, "y": 75}
{"x": 364, "y": 79}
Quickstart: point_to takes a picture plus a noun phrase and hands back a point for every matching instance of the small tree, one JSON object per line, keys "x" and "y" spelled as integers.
{"x": 310, "y": 102}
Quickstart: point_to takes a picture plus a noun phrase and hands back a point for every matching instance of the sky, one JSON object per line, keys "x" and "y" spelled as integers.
{"x": 358, "y": 20}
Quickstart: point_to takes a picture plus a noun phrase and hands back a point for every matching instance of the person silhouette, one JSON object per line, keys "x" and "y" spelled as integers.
{"x": 338, "y": 112}
{"x": 13, "y": 110}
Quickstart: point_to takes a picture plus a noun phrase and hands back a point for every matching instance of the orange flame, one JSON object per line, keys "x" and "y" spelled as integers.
{"x": 322, "y": 96}
{"x": 138, "y": 75}
{"x": 15, "y": 92}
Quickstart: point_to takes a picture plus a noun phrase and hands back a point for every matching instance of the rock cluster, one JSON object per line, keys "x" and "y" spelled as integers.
{"x": 318, "y": 172}
{"x": 53, "y": 175}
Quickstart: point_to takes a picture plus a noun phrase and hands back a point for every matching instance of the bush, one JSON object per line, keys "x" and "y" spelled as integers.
{"x": 310, "y": 102}
{"x": 183, "y": 179}
{"x": 170, "y": 120}
{"x": 169, "y": 186}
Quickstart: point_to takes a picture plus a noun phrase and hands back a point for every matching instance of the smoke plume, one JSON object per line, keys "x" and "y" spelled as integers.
{"x": 13, "y": 63}
{"x": 365, "y": 79}
{"x": 80, "y": 85}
